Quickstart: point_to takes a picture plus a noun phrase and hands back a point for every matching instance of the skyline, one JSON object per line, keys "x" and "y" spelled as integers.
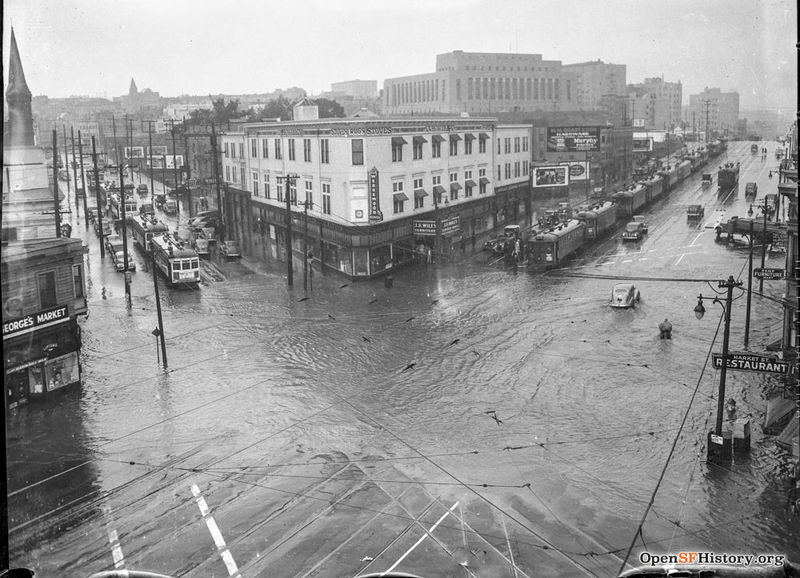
{"x": 173, "y": 49}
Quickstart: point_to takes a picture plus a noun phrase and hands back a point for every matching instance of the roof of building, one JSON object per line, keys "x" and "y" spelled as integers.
{"x": 17, "y": 86}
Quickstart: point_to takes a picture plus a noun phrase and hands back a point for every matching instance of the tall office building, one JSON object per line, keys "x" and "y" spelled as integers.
{"x": 716, "y": 112}
{"x": 595, "y": 79}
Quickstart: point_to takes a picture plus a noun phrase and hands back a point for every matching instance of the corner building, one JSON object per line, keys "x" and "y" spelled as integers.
{"x": 375, "y": 193}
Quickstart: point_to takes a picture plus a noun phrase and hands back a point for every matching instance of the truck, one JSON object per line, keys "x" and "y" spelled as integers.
{"x": 694, "y": 212}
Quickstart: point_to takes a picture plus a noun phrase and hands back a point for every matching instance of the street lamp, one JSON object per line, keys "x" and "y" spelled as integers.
{"x": 716, "y": 444}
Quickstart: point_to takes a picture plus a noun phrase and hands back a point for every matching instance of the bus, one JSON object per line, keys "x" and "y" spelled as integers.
{"x": 179, "y": 263}
{"x": 144, "y": 229}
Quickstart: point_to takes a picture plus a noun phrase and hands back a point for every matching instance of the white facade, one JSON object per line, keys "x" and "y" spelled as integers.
{"x": 422, "y": 164}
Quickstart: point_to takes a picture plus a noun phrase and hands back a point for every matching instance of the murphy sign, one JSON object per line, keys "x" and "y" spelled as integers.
{"x": 750, "y": 362}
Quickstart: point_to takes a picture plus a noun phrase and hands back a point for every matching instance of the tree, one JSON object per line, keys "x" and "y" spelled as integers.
{"x": 221, "y": 112}
{"x": 329, "y": 108}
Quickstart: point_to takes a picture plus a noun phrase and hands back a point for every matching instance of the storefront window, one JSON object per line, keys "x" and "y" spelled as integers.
{"x": 330, "y": 255}
{"x": 360, "y": 261}
{"x": 381, "y": 258}
{"x": 61, "y": 371}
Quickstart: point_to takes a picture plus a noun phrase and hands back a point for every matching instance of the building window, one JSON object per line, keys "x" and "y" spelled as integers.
{"x": 266, "y": 187}
{"x": 508, "y": 144}
{"x": 516, "y": 169}
{"x": 242, "y": 174}
{"x": 417, "y": 149}
{"x": 453, "y": 147}
{"x": 419, "y": 200}
{"x": 398, "y": 200}
{"x": 481, "y": 145}
{"x": 226, "y": 150}
{"x": 278, "y": 151}
{"x": 525, "y": 168}
{"x": 397, "y": 151}
{"x": 241, "y": 150}
{"x": 357, "y": 147}
{"x": 254, "y": 148}
{"x": 516, "y": 144}
{"x": 499, "y": 172}
{"x": 436, "y": 148}
{"x": 524, "y": 144}
{"x": 324, "y": 152}
{"x": 499, "y": 146}
{"x": 437, "y": 189}
{"x": 508, "y": 170}
{"x": 255, "y": 184}
{"x": 47, "y": 289}
{"x": 467, "y": 146}
{"x": 227, "y": 173}
{"x": 233, "y": 150}
{"x": 292, "y": 191}
{"x": 310, "y": 194}
{"x": 265, "y": 148}
{"x": 77, "y": 281}
{"x": 326, "y": 198}
{"x": 291, "y": 149}
{"x": 307, "y": 150}
{"x": 468, "y": 189}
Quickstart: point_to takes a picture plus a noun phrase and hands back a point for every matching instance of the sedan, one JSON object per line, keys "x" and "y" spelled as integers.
{"x": 624, "y": 295}
{"x": 230, "y": 250}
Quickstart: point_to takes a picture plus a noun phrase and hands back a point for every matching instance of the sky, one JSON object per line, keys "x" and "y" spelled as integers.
{"x": 174, "y": 47}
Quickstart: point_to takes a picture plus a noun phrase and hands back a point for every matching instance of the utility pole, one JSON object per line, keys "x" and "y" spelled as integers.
{"x": 763, "y": 248}
{"x": 66, "y": 157}
{"x": 289, "y": 178}
{"x": 56, "y": 203}
{"x": 124, "y": 236}
{"x": 160, "y": 330}
{"x": 97, "y": 200}
{"x": 707, "y": 104}
{"x": 116, "y": 147}
{"x": 749, "y": 288}
{"x": 74, "y": 167}
{"x": 150, "y": 152}
{"x": 305, "y": 243}
{"x": 216, "y": 171}
{"x": 186, "y": 164}
{"x": 83, "y": 182}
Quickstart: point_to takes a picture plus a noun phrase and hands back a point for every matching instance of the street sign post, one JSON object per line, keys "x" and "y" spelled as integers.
{"x": 752, "y": 362}
{"x": 768, "y": 273}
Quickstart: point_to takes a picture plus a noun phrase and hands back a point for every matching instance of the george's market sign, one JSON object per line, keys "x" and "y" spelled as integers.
{"x": 35, "y": 321}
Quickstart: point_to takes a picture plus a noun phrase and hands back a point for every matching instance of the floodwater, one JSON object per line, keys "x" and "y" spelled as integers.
{"x": 512, "y": 422}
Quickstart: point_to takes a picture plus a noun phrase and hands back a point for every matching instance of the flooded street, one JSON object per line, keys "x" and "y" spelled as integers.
{"x": 512, "y": 417}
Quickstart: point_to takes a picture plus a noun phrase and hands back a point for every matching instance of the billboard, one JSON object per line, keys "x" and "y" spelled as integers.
{"x": 134, "y": 152}
{"x": 174, "y": 160}
{"x": 578, "y": 170}
{"x": 157, "y": 150}
{"x": 573, "y": 139}
{"x": 552, "y": 176}
{"x": 642, "y": 145}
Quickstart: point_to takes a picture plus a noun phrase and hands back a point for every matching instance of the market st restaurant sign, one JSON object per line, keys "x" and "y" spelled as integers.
{"x": 37, "y": 320}
{"x": 750, "y": 362}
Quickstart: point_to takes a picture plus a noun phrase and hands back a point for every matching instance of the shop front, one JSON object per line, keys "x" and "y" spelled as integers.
{"x": 41, "y": 356}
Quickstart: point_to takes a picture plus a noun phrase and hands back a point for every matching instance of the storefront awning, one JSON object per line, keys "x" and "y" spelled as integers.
{"x": 455, "y": 136}
{"x": 455, "y": 187}
{"x": 400, "y": 197}
{"x": 439, "y": 189}
{"x": 398, "y": 141}
{"x": 420, "y": 139}
{"x": 484, "y": 181}
{"x": 420, "y": 193}
{"x": 483, "y": 136}
{"x": 437, "y": 138}
{"x": 469, "y": 136}
{"x": 470, "y": 183}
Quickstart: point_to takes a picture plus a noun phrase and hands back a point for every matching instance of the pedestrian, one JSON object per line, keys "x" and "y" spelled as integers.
{"x": 429, "y": 255}
{"x": 472, "y": 239}
{"x": 463, "y": 243}
{"x": 665, "y": 329}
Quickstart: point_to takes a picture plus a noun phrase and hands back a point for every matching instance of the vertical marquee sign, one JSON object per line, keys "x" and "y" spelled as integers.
{"x": 375, "y": 214}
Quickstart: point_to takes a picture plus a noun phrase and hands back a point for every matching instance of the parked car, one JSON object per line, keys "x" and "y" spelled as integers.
{"x": 707, "y": 181}
{"x": 695, "y": 212}
{"x": 624, "y": 295}
{"x": 170, "y": 206}
{"x": 751, "y": 190}
{"x": 230, "y": 250}
{"x": 634, "y": 231}
{"x": 142, "y": 189}
{"x": 204, "y": 223}
{"x": 497, "y": 244}
{"x": 641, "y": 219}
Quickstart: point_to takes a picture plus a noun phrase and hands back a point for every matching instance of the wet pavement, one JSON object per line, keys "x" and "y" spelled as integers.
{"x": 469, "y": 421}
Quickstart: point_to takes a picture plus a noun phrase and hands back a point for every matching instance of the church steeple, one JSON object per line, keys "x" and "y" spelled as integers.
{"x": 132, "y": 91}
{"x": 18, "y": 96}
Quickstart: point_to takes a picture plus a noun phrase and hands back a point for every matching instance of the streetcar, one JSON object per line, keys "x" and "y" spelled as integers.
{"x": 144, "y": 229}
{"x": 178, "y": 262}
{"x": 115, "y": 205}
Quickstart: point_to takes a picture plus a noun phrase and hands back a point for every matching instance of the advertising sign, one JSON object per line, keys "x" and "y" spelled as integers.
{"x": 768, "y": 273}
{"x": 451, "y": 225}
{"x": 573, "y": 139}
{"x": 578, "y": 170}
{"x": 359, "y": 204}
{"x": 424, "y": 228}
{"x": 174, "y": 160}
{"x": 554, "y": 176}
{"x": 157, "y": 150}
{"x": 36, "y": 320}
{"x": 375, "y": 214}
{"x": 642, "y": 145}
{"x": 134, "y": 152}
{"x": 751, "y": 362}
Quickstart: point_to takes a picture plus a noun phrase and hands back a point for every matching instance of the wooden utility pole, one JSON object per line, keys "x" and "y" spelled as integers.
{"x": 124, "y": 227}
{"x": 74, "y": 166}
{"x": 98, "y": 200}
{"x": 150, "y": 152}
{"x": 216, "y": 171}
{"x": 116, "y": 147}
{"x": 159, "y": 332}
{"x": 289, "y": 178}
{"x": 56, "y": 202}
{"x": 305, "y": 243}
{"x": 186, "y": 164}
{"x": 707, "y": 104}
{"x": 83, "y": 182}
{"x": 66, "y": 157}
